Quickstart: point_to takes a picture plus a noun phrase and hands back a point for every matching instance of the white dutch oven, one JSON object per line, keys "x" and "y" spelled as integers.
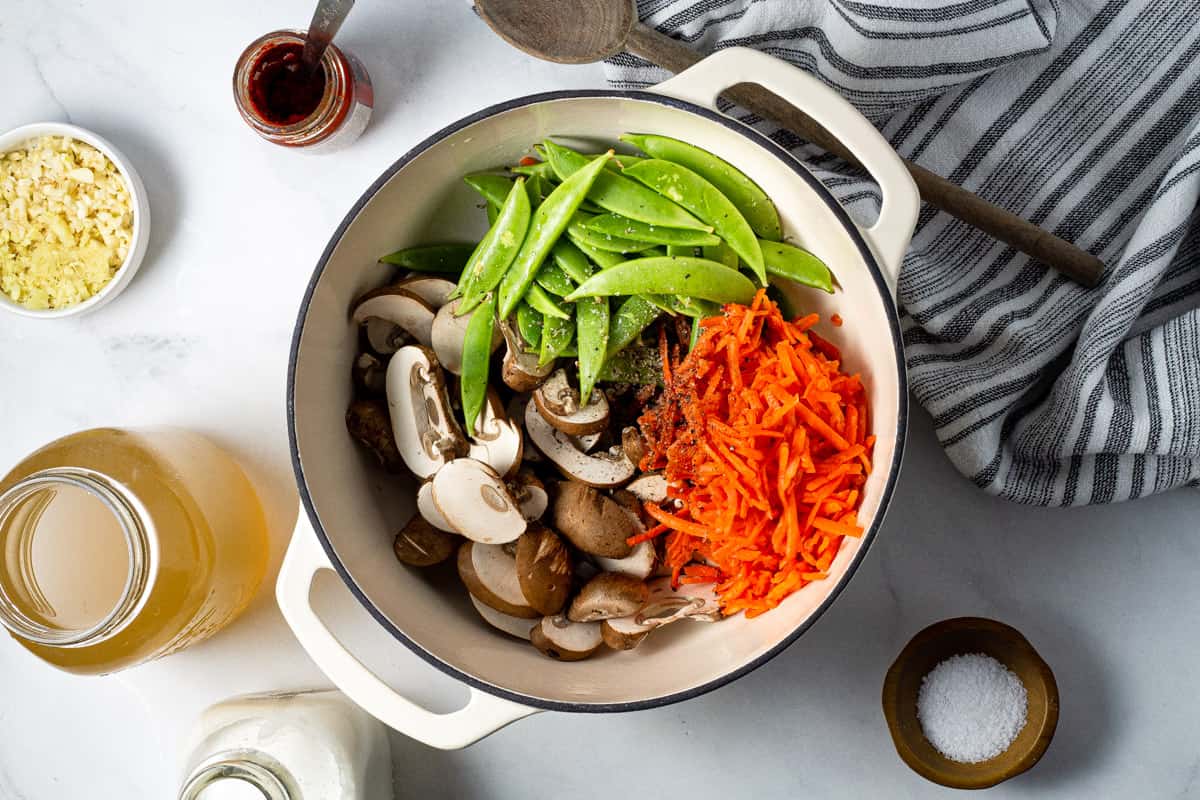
{"x": 421, "y": 198}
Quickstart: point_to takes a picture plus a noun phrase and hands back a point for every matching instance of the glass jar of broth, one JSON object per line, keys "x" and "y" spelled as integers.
{"x": 122, "y": 546}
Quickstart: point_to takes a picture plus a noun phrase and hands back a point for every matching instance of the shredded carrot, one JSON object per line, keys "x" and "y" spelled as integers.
{"x": 764, "y": 444}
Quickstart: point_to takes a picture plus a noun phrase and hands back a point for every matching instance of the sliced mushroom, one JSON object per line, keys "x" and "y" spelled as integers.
{"x": 639, "y": 564}
{"x": 633, "y": 443}
{"x": 623, "y": 633}
{"x": 607, "y": 596}
{"x": 564, "y": 640}
{"x": 498, "y": 441}
{"x": 558, "y": 402}
{"x": 520, "y": 371}
{"x": 448, "y": 333}
{"x": 392, "y": 309}
{"x": 422, "y": 545}
{"x": 490, "y": 575}
{"x": 433, "y": 290}
{"x": 594, "y": 523}
{"x": 530, "y": 493}
{"x": 368, "y": 424}
{"x": 604, "y": 470}
{"x": 650, "y": 487}
{"x": 513, "y": 626}
{"x": 696, "y": 601}
{"x": 429, "y": 510}
{"x": 476, "y": 503}
{"x": 586, "y": 443}
{"x": 544, "y": 569}
{"x": 369, "y": 375}
{"x": 426, "y": 433}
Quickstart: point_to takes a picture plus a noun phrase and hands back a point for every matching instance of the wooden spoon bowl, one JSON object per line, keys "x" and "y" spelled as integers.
{"x": 959, "y": 637}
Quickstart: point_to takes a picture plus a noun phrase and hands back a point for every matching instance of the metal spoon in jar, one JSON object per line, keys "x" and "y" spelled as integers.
{"x": 582, "y": 31}
{"x": 326, "y": 20}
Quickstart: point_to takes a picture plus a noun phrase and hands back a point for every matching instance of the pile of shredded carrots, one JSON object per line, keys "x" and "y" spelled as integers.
{"x": 764, "y": 444}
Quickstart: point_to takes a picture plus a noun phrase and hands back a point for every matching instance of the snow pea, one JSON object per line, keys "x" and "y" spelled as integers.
{"x": 552, "y": 278}
{"x": 621, "y": 195}
{"x": 795, "y": 264}
{"x": 591, "y": 336}
{"x": 547, "y": 225}
{"x": 444, "y": 258}
{"x": 632, "y": 316}
{"x": 616, "y": 225}
{"x": 695, "y": 337}
{"x": 744, "y": 193}
{"x": 700, "y": 197}
{"x": 493, "y": 213}
{"x": 604, "y": 241}
{"x": 494, "y": 188}
{"x": 490, "y": 261}
{"x": 476, "y": 356}
{"x": 602, "y": 258}
{"x": 693, "y": 277}
{"x": 722, "y": 253}
{"x": 537, "y": 297}
{"x": 541, "y": 169}
{"x": 681, "y": 250}
{"x": 571, "y": 260}
{"x": 557, "y": 335}
{"x": 529, "y": 323}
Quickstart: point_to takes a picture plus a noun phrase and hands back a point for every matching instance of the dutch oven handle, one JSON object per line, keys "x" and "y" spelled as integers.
{"x": 483, "y": 714}
{"x": 890, "y": 235}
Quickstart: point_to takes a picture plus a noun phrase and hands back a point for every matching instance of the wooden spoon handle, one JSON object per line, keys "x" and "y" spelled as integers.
{"x": 1074, "y": 262}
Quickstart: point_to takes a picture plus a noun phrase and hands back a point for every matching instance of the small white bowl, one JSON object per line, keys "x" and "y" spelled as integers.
{"x": 17, "y": 138}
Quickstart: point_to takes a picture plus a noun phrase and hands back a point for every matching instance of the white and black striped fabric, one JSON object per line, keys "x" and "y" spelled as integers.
{"x": 1080, "y": 115}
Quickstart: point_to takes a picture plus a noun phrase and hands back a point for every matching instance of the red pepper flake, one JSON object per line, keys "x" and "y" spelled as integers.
{"x": 836, "y": 319}
{"x": 528, "y": 161}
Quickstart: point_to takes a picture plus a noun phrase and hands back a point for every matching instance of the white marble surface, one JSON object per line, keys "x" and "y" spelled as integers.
{"x": 1109, "y": 596}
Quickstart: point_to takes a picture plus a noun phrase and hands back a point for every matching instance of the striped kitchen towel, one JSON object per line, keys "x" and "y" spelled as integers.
{"x": 1081, "y": 116}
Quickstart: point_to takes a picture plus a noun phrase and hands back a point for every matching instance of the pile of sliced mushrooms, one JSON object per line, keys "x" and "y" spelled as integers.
{"x": 538, "y": 505}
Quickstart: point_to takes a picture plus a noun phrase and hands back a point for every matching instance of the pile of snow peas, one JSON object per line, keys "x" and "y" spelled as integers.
{"x": 585, "y": 251}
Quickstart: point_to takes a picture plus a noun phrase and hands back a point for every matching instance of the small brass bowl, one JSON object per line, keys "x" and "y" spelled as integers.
{"x": 959, "y": 637}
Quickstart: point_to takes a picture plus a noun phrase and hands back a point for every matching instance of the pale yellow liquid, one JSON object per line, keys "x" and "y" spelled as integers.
{"x": 210, "y": 541}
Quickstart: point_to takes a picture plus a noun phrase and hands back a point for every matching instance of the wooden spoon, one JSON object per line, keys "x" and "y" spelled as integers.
{"x": 582, "y": 31}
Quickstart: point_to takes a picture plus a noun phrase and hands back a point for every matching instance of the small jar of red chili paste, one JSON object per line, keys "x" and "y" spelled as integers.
{"x": 322, "y": 110}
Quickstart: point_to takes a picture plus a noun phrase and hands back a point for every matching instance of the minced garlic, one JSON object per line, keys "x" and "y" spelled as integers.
{"x": 66, "y": 222}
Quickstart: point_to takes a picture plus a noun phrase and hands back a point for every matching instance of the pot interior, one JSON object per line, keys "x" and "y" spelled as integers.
{"x": 359, "y": 509}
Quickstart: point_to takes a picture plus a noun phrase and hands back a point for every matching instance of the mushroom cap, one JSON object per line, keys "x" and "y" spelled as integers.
{"x": 594, "y": 523}
{"x": 498, "y": 441}
{"x": 369, "y": 375}
{"x": 666, "y": 604}
{"x": 429, "y": 510}
{"x": 587, "y": 442}
{"x": 566, "y": 641}
{"x": 513, "y": 626}
{"x": 623, "y": 633}
{"x": 649, "y": 487}
{"x": 475, "y": 502}
{"x": 558, "y": 403}
{"x": 397, "y": 307}
{"x": 607, "y": 596}
{"x": 530, "y": 493}
{"x": 544, "y": 569}
{"x": 369, "y": 425}
{"x": 490, "y": 575}
{"x": 598, "y": 469}
{"x": 420, "y": 544}
{"x": 425, "y": 430}
{"x": 633, "y": 443}
{"x": 448, "y": 332}
{"x": 433, "y": 290}
{"x": 638, "y": 565}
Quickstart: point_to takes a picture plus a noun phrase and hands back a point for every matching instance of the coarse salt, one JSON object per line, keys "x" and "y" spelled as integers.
{"x": 971, "y": 707}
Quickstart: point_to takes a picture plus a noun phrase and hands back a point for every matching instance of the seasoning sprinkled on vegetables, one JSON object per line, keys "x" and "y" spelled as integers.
{"x": 764, "y": 442}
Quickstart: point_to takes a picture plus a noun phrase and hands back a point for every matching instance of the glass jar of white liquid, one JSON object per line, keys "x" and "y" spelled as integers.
{"x": 288, "y": 746}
